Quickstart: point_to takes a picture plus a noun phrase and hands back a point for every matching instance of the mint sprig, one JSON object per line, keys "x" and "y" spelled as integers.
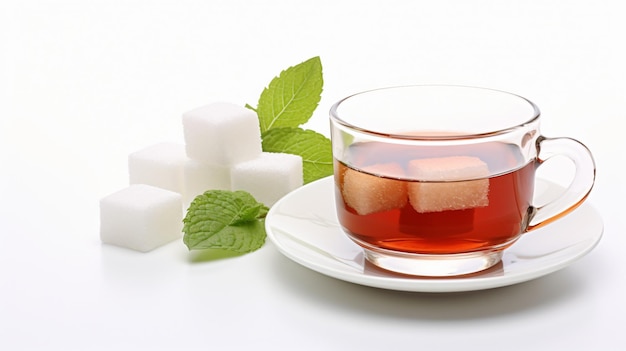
{"x": 228, "y": 220}
{"x": 287, "y": 103}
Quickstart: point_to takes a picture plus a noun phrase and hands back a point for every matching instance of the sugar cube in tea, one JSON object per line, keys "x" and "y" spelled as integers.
{"x": 369, "y": 192}
{"x": 141, "y": 217}
{"x": 448, "y": 183}
{"x": 222, "y": 133}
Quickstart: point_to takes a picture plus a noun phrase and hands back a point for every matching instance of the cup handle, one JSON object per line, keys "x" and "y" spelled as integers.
{"x": 579, "y": 188}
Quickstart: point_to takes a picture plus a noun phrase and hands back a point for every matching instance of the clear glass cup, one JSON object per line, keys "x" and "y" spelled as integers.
{"x": 439, "y": 180}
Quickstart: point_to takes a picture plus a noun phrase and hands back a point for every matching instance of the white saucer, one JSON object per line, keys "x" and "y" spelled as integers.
{"x": 303, "y": 225}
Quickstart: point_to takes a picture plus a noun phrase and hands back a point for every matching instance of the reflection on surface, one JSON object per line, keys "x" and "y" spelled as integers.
{"x": 373, "y": 270}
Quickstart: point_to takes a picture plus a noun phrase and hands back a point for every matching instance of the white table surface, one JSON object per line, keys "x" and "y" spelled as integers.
{"x": 84, "y": 83}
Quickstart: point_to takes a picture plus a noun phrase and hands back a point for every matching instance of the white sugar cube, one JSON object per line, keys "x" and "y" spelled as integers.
{"x": 200, "y": 177}
{"x": 159, "y": 165}
{"x": 222, "y": 133}
{"x": 268, "y": 177}
{"x": 443, "y": 183}
{"x": 141, "y": 217}
{"x": 369, "y": 193}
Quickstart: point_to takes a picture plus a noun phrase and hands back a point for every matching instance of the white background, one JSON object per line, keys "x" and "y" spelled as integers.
{"x": 84, "y": 83}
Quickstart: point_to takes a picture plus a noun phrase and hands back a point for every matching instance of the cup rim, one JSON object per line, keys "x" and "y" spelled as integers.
{"x": 447, "y": 137}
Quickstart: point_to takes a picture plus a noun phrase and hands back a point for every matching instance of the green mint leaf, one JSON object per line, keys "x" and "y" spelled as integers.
{"x": 228, "y": 220}
{"x": 314, "y": 148}
{"x": 249, "y": 208}
{"x": 291, "y": 98}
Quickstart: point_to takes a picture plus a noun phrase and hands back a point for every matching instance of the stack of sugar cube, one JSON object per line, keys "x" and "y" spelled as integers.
{"x": 222, "y": 151}
{"x": 225, "y": 139}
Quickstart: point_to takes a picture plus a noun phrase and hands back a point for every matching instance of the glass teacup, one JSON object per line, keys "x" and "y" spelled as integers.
{"x": 439, "y": 180}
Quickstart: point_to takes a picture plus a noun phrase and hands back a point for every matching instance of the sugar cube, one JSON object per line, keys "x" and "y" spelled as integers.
{"x": 141, "y": 217}
{"x": 200, "y": 177}
{"x": 269, "y": 176}
{"x": 159, "y": 165}
{"x": 443, "y": 183}
{"x": 368, "y": 193}
{"x": 222, "y": 133}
